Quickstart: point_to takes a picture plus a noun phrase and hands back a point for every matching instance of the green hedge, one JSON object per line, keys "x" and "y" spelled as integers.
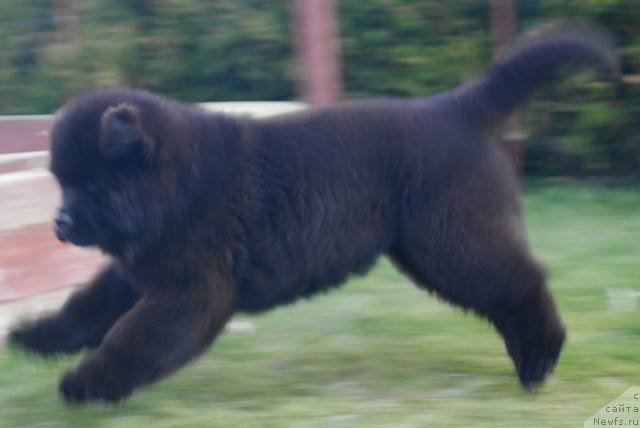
{"x": 202, "y": 50}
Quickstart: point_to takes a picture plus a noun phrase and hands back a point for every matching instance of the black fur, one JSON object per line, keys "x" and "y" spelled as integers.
{"x": 206, "y": 214}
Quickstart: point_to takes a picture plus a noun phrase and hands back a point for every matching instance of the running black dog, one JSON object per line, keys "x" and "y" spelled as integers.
{"x": 206, "y": 214}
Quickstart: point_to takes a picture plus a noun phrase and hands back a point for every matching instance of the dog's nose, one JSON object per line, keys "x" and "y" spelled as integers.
{"x": 63, "y": 225}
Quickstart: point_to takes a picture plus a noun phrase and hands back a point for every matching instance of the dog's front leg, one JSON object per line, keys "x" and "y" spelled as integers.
{"x": 162, "y": 332}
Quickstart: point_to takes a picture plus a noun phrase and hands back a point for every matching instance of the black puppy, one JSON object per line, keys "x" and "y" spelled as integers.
{"x": 205, "y": 214}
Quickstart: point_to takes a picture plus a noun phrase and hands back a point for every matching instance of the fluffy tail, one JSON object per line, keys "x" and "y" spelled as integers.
{"x": 539, "y": 57}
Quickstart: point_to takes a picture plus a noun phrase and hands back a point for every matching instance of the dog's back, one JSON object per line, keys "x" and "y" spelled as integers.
{"x": 343, "y": 178}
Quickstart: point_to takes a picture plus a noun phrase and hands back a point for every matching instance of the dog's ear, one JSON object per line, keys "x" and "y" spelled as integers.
{"x": 122, "y": 135}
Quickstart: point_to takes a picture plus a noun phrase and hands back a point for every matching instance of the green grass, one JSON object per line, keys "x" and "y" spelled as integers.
{"x": 380, "y": 352}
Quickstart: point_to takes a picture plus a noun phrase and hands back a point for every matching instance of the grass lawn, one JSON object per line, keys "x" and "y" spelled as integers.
{"x": 380, "y": 352}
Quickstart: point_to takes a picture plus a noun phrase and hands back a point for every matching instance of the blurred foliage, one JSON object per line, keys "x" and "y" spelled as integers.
{"x": 200, "y": 50}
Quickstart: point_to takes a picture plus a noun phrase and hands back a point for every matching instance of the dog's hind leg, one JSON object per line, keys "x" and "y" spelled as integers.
{"x": 470, "y": 249}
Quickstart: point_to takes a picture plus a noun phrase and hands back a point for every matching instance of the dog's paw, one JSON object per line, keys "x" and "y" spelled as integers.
{"x": 81, "y": 385}
{"x": 45, "y": 337}
{"x": 538, "y": 359}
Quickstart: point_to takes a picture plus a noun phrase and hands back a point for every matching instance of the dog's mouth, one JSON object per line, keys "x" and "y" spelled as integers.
{"x": 68, "y": 231}
{"x": 69, "y": 237}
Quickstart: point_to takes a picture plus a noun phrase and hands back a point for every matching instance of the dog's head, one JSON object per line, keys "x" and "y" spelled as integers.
{"x": 104, "y": 154}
